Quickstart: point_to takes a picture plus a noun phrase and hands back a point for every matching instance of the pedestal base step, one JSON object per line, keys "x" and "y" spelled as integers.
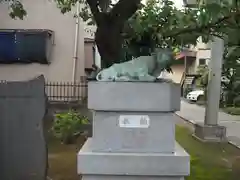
{"x": 96, "y": 177}
{"x": 208, "y": 133}
{"x": 124, "y": 166}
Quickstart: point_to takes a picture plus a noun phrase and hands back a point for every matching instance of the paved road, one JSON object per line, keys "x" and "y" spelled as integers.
{"x": 195, "y": 114}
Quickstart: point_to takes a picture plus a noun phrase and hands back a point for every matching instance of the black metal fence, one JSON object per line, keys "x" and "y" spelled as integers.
{"x": 67, "y": 91}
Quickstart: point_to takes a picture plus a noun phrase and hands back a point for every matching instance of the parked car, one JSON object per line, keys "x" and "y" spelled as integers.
{"x": 198, "y": 95}
{"x": 195, "y": 95}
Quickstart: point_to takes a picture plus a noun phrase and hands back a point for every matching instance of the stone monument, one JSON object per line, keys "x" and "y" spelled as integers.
{"x": 23, "y": 153}
{"x": 133, "y": 132}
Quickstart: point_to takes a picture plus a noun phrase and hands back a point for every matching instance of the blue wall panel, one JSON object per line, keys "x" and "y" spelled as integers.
{"x": 7, "y": 47}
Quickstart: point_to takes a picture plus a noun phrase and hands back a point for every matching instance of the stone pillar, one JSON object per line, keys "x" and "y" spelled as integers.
{"x": 210, "y": 130}
{"x": 133, "y": 133}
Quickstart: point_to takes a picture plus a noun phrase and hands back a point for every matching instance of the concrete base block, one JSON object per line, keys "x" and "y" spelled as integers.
{"x": 124, "y": 166}
{"x": 209, "y": 133}
{"x": 158, "y": 136}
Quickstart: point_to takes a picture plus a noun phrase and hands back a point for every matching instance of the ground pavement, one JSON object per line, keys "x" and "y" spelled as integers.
{"x": 195, "y": 114}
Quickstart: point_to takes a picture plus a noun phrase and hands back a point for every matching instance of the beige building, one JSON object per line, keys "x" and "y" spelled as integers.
{"x": 44, "y": 14}
{"x": 189, "y": 60}
{"x": 203, "y": 53}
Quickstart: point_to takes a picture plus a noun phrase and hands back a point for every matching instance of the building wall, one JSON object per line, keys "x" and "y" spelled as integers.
{"x": 44, "y": 14}
{"x": 98, "y": 60}
{"x": 89, "y": 56}
{"x": 178, "y": 70}
{"x": 203, "y": 52}
{"x": 192, "y": 69}
{"x": 89, "y": 32}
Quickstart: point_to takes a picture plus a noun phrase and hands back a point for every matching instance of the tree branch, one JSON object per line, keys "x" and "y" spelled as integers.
{"x": 104, "y": 5}
{"x": 124, "y": 9}
{"x": 95, "y": 10}
{"x": 201, "y": 28}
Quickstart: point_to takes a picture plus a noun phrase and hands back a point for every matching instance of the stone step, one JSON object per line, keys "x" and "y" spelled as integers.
{"x": 93, "y": 177}
{"x": 95, "y": 165}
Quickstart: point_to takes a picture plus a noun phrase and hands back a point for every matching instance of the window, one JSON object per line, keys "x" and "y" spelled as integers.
{"x": 202, "y": 61}
{"x": 25, "y": 46}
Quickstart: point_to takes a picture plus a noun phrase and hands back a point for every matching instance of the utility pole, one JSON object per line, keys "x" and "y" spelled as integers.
{"x": 76, "y": 43}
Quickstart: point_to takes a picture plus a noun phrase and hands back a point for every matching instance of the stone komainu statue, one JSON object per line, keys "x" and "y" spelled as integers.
{"x": 143, "y": 68}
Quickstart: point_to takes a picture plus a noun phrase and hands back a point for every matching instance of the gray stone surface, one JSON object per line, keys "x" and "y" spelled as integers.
{"x": 134, "y": 148}
{"x": 23, "y": 150}
{"x": 195, "y": 114}
{"x": 94, "y": 177}
{"x": 108, "y": 136}
{"x": 133, "y": 164}
{"x": 209, "y": 133}
{"x": 134, "y": 96}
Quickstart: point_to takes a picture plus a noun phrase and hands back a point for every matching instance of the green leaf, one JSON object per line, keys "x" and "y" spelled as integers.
{"x": 68, "y": 124}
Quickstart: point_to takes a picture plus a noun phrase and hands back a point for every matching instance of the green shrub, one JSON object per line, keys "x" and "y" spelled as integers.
{"x": 67, "y": 126}
{"x": 232, "y": 110}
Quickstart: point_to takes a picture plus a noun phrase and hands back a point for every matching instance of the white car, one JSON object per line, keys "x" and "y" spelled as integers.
{"x": 195, "y": 95}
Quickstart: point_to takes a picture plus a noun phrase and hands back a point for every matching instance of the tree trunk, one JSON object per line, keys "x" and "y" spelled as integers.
{"x": 110, "y": 25}
{"x": 109, "y": 42}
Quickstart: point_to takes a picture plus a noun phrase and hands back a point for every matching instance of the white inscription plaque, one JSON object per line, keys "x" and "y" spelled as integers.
{"x": 134, "y": 121}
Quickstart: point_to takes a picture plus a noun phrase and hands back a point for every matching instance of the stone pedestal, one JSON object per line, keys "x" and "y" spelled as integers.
{"x": 133, "y": 133}
{"x": 210, "y": 133}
